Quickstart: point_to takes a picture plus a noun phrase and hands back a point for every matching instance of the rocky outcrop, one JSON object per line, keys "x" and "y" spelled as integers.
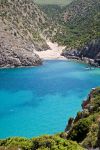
{"x": 24, "y": 18}
{"x": 85, "y": 127}
{"x": 90, "y": 53}
{"x": 15, "y": 51}
{"x": 10, "y": 57}
{"x": 71, "y": 54}
{"x": 22, "y": 24}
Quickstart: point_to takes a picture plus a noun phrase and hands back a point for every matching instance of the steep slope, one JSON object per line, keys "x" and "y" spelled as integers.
{"x": 85, "y": 128}
{"x": 89, "y": 53}
{"x": 80, "y": 22}
{"x": 81, "y": 11}
{"x": 15, "y": 51}
{"x": 79, "y": 30}
{"x": 22, "y": 25}
{"x": 25, "y": 19}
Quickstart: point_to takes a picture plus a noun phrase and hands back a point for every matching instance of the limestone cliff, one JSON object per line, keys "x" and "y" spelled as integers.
{"x": 15, "y": 52}
{"x": 22, "y": 25}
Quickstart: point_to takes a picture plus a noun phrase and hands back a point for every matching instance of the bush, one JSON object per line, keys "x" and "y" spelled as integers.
{"x": 41, "y": 143}
{"x": 80, "y": 130}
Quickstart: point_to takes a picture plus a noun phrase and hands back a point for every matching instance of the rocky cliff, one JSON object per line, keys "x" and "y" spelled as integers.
{"x": 15, "y": 52}
{"x": 22, "y": 25}
{"x": 90, "y": 53}
{"x": 85, "y": 127}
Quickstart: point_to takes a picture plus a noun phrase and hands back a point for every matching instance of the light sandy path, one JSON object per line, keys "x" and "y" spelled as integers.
{"x": 53, "y": 53}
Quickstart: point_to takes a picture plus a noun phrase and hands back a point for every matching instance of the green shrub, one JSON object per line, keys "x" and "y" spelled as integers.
{"x": 41, "y": 143}
{"x": 80, "y": 130}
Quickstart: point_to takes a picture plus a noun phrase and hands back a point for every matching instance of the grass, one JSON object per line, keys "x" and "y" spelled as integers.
{"x": 53, "y": 2}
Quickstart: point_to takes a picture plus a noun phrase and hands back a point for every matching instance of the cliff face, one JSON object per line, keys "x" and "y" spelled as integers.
{"x": 90, "y": 53}
{"x": 91, "y": 50}
{"x": 22, "y": 26}
{"x": 85, "y": 128}
{"x": 15, "y": 52}
{"x": 24, "y": 18}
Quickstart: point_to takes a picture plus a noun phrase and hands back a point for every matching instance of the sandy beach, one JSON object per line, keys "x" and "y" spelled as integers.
{"x": 53, "y": 53}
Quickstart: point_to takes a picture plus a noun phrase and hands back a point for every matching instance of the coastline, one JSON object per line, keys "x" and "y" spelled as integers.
{"x": 54, "y": 53}
{"x": 85, "y": 61}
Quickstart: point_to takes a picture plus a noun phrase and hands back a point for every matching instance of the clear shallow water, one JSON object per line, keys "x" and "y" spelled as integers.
{"x": 39, "y": 100}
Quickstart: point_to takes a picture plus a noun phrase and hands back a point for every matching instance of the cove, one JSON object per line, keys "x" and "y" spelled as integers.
{"x": 40, "y": 100}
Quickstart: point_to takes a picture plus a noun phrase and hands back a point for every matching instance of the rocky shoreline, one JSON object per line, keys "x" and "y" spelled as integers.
{"x": 21, "y": 30}
{"x": 16, "y": 51}
{"x": 89, "y": 54}
{"x": 16, "y": 56}
{"x": 85, "y": 127}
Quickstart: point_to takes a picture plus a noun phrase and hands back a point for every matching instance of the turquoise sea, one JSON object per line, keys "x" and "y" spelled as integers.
{"x": 39, "y": 100}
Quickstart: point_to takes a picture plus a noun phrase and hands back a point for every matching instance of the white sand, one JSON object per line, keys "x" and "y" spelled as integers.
{"x": 53, "y": 53}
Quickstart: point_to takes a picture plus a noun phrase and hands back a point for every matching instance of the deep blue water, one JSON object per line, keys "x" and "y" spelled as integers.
{"x": 39, "y": 100}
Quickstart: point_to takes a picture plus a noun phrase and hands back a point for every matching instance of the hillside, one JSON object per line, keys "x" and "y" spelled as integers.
{"x": 25, "y": 19}
{"x": 85, "y": 128}
{"x": 76, "y": 23}
{"x": 15, "y": 51}
{"x": 23, "y": 29}
{"x": 79, "y": 23}
{"x": 22, "y": 25}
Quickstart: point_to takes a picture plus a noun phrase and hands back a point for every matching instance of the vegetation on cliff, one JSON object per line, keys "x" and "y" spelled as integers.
{"x": 22, "y": 24}
{"x": 85, "y": 128}
{"x": 24, "y": 19}
{"x": 80, "y": 22}
{"x": 77, "y": 23}
{"x": 41, "y": 143}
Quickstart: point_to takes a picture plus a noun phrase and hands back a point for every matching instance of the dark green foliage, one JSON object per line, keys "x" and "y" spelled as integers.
{"x": 86, "y": 126}
{"x": 17, "y": 142}
{"x": 77, "y": 23}
{"x": 95, "y": 102}
{"x": 80, "y": 130}
{"x": 40, "y": 143}
{"x": 98, "y": 136}
{"x": 52, "y": 11}
{"x": 83, "y": 21}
